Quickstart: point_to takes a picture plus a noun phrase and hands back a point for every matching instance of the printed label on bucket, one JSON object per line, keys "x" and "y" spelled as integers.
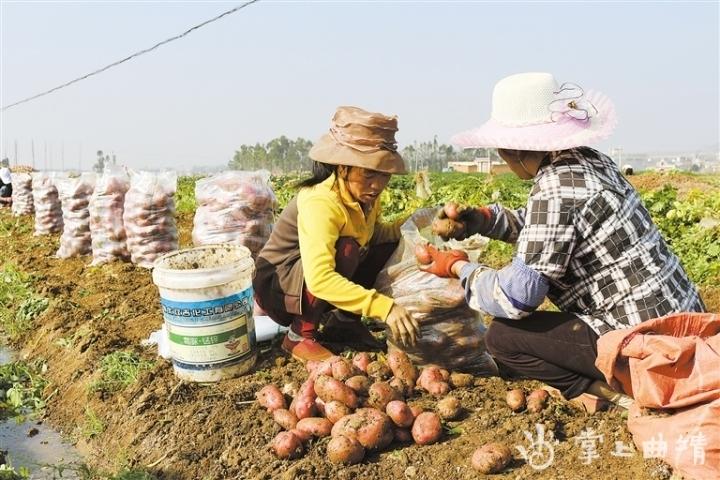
{"x": 210, "y": 333}
{"x": 207, "y": 312}
{"x": 208, "y": 345}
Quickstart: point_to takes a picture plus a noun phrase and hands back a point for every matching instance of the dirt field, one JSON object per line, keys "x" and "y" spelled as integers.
{"x": 190, "y": 431}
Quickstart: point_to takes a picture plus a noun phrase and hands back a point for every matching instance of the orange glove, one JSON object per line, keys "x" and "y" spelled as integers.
{"x": 438, "y": 262}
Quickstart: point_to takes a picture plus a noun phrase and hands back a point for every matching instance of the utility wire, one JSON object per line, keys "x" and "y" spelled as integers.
{"x": 137, "y": 54}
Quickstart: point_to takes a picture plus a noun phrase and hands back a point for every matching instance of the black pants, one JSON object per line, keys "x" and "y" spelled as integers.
{"x": 556, "y": 348}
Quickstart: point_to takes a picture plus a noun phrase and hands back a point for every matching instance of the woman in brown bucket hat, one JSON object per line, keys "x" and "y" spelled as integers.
{"x": 329, "y": 244}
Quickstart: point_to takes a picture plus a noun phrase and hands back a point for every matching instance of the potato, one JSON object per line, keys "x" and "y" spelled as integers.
{"x": 516, "y": 400}
{"x": 320, "y": 406}
{"x": 361, "y": 361}
{"x": 427, "y": 428}
{"x": 401, "y": 387}
{"x": 402, "y": 367}
{"x": 403, "y": 435}
{"x": 537, "y": 401}
{"x": 378, "y": 370}
{"x": 422, "y": 254}
{"x": 330, "y": 389}
{"x": 345, "y": 450}
{"x": 400, "y": 413}
{"x": 271, "y": 398}
{"x": 285, "y": 418}
{"x": 449, "y": 408}
{"x": 429, "y": 374}
{"x": 416, "y": 410}
{"x": 491, "y": 458}
{"x": 335, "y": 410}
{"x": 461, "y": 380}
{"x": 287, "y": 445}
{"x": 380, "y": 394}
{"x": 359, "y": 383}
{"x": 438, "y": 389}
{"x": 342, "y": 369}
{"x": 305, "y": 400}
{"x": 302, "y": 435}
{"x": 373, "y": 429}
{"x": 317, "y": 368}
{"x": 315, "y": 426}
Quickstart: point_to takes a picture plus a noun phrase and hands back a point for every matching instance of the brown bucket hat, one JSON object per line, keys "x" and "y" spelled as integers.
{"x": 358, "y": 138}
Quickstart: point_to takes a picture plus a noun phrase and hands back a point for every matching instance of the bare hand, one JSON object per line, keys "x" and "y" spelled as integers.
{"x": 402, "y": 325}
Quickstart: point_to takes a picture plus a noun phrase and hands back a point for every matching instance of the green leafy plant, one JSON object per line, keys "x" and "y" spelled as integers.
{"x": 19, "y": 305}
{"x": 21, "y": 387}
{"x": 93, "y": 425}
{"x": 118, "y": 370}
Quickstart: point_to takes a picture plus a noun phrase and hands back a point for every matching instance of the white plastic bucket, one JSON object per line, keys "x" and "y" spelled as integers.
{"x": 207, "y": 301}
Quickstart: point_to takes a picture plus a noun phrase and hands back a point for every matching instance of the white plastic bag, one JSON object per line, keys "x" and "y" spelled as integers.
{"x": 234, "y": 207}
{"x": 75, "y": 195}
{"x": 22, "y": 197}
{"x": 106, "y": 216}
{"x": 452, "y": 333}
{"x": 149, "y": 216}
{"x": 48, "y": 211}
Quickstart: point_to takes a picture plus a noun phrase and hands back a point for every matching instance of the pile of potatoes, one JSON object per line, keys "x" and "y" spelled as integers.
{"x": 22, "y": 196}
{"x": 361, "y": 404}
{"x": 106, "y": 217}
{"x": 149, "y": 216}
{"x": 75, "y": 199}
{"x": 48, "y": 211}
{"x": 234, "y": 207}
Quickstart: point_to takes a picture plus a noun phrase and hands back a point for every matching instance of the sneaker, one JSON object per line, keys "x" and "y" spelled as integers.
{"x": 305, "y": 349}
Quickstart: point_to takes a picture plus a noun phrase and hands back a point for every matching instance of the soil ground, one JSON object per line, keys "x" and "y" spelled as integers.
{"x": 181, "y": 430}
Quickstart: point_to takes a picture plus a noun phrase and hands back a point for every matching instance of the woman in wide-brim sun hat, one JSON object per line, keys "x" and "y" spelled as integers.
{"x": 329, "y": 243}
{"x": 584, "y": 240}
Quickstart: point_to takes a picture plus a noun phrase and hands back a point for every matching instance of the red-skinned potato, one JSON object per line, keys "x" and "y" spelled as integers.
{"x": 516, "y": 400}
{"x": 302, "y": 435}
{"x": 491, "y": 458}
{"x": 285, "y": 418}
{"x": 315, "y": 426}
{"x": 287, "y": 446}
{"x": 427, "y": 428}
{"x": 422, "y": 254}
{"x": 449, "y": 408}
{"x": 400, "y": 386}
{"x": 402, "y": 368}
{"x": 400, "y": 413}
{"x": 373, "y": 429}
{"x": 537, "y": 400}
{"x": 345, "y": 450}
{"x": 359, "y": 383}
{"x": 305, "y": 400}
{"x": 342, "y": 369}
{"x": 335, "y": 410}
{"x": 271, "y": 398}
{"x": 330, "y": 389}
{"x": 380, "y": 394}
{"x": 361, "y": 361}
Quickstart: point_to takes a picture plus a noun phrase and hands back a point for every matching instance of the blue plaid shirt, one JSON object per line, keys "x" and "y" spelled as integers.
{"x": 586, "y": 241}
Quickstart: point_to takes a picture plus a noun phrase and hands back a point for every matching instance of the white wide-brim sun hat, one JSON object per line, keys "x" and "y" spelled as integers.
{"x": 530, "y": 111}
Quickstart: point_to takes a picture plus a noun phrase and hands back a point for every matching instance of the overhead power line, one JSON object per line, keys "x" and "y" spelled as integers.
{"x": 129, "y": 57}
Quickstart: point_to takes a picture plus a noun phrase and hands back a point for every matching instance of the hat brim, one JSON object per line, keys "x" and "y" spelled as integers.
{"x": 327, "y": 150}
{"x": 562, "y": 134}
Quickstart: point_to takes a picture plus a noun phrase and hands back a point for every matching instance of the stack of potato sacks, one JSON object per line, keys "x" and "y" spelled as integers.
{"x": 106, "y": 216}
{"x": 362, "y": 405}
{"x": 48, "y": 211}
{"x": 22, "y": 197}
{"x": 234, "y": 207}
{"x": 149, "y": 216}
{"x": 75, "y": 195}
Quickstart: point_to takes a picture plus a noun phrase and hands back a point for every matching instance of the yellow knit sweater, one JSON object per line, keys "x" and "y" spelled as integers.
{"x": 326, "y": 212}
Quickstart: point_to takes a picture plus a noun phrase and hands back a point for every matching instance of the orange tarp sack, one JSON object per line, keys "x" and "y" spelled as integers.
{"x": 671, "y": 365}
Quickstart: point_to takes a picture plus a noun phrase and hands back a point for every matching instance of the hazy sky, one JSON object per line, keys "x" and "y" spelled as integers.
{"x": 279, "y": 68}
